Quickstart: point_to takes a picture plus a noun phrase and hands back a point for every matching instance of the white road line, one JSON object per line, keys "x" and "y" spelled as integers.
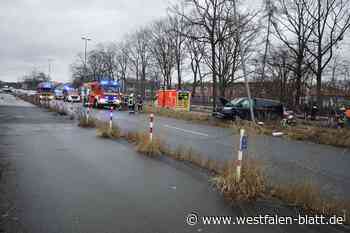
{"x": 187, "y": 131}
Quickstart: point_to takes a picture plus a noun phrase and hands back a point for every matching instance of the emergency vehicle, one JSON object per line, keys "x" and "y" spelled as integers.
{"x": 45, "y": 91}
{"x": 104, "y": 93}
{"x": 70, "y": 94}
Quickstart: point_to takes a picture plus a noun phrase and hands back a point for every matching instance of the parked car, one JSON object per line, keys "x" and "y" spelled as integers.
{"x": 72, "y": 96}
{"x": 7, "y": 89}
{"x": 59, "y": 93}
{"x": 264, "y": 109}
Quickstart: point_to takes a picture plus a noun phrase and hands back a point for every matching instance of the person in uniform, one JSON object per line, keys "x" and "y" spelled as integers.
{"x": 131, "y": 103}
{"x": 139, "y": 103}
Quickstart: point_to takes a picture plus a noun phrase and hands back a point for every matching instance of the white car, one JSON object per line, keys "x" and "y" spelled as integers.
{"x": 73, "y": 97}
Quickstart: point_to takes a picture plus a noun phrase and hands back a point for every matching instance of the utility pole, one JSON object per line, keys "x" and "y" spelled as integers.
{"x": 243, "y": 61}
{"x": 49, "y": 62}
{"x": 86, "y": 40}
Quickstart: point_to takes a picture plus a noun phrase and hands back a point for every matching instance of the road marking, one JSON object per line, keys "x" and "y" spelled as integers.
{"x": 187, "y": 131}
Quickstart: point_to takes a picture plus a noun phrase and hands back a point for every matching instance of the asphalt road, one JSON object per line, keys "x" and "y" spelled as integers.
{"x": 68, "y": 180}
{"x": 286, "y": 161}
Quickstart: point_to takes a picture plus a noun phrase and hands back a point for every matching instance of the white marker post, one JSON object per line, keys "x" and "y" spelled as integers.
{"x": 242, "y": 147}
{"x": 111, "y": 118}
{"x": 151, "y": 118}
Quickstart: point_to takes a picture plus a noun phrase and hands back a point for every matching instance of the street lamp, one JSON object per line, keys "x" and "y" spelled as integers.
{"x": 86, "y": 39}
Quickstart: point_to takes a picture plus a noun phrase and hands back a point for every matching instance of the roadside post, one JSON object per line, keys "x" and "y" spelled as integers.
{"x": 151, "y": 119}
{"x": 111, "y": 118}
{"x": 243, "y": 145}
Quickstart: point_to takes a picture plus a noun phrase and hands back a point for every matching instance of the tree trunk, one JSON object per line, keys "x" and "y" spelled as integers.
{"x": 213, "y": 63}
{"x": 179, "y": 78}
{"x": 194, "y": 85}
{"x": 143, "y": 79}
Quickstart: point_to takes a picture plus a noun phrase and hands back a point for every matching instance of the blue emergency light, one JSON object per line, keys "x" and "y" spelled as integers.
{"x": 46, "y": 85}
{"x": 104, "y": 82}
{"x": 109, "y": 83}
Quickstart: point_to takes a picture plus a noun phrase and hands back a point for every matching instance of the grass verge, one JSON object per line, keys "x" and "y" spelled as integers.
{"x": 103, "y": 130}
{"x": 327, "y": 136}
{"x": 151, "y": 148}
{"x": 309, "y": 198}
{"x": 85, "y": 123}
{"x": 182, "y": 115}
{"x": 252, "y": 184}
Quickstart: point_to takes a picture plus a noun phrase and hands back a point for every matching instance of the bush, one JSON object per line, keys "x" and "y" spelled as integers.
{"x": 147, "y": 147}
{"x": 84, "y": 123}
{"x": 104, "y": 131}
{"x": 251, "y": 186}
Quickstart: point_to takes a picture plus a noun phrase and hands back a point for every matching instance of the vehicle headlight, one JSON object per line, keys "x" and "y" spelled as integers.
{"x": 51, "y": 96}
{"x": 117, "y": 101}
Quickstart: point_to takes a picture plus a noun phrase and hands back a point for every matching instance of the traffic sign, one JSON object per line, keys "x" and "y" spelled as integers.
{"x": 244, "y": 143}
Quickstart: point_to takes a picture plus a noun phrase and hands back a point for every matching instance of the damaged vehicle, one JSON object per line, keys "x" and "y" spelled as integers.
{"x": 264, "y": 109}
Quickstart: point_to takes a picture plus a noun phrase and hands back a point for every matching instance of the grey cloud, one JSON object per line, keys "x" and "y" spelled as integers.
{"x": 32, "y": 31}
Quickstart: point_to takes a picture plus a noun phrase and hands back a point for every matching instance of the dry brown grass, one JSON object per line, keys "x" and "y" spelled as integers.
{"x": 133, "y": 137}
{"x": 309, "y": 197}
{"x": 328, "y": 136}
{"x": 251, "y": 186}
{"x": 151, "y": 148}
{"x": 182, "y": 115}
{"x": 85, "y": 123}
{"x": 104, "y": 131}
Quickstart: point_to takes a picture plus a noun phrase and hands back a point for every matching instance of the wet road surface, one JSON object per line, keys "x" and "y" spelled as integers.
{"x": 286, "y": 160}
{"x": 67, "y": 180}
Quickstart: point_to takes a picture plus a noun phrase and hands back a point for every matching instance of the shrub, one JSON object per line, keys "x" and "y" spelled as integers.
{"x": 85, "y": 123}
{"x": 251, "y": 186}
{"x": 147, "y": 147}
{"x": 104, "y": 131}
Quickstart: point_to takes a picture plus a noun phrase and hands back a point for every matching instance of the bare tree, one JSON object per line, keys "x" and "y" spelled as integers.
{"x": 331, "y": 19}
{"x": 122, "y": 61}
{"x": 178, "y": 30}
{"x": 206, "y": 16}
{"x": 196, "y": 52}
{"x": 294, "y": 27}
{"x": 134, "y": 58}
{"x": 270, "y": 10}
{"x": 279, "y": 64}
{"x": 140, "y": 54}
{"x": 163, "y": 50}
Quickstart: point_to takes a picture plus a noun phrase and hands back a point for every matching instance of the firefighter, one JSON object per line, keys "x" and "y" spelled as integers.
{"x": 139, "y": 103}
{"x": 131, "y": 104}
{"x": 314, "y": 111}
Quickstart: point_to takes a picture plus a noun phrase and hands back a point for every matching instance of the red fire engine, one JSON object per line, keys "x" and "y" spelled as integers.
{"x": 103, "y": 93}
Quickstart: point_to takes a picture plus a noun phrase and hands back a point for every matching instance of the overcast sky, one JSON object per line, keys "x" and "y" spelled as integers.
{"x": 33, "y": 31}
